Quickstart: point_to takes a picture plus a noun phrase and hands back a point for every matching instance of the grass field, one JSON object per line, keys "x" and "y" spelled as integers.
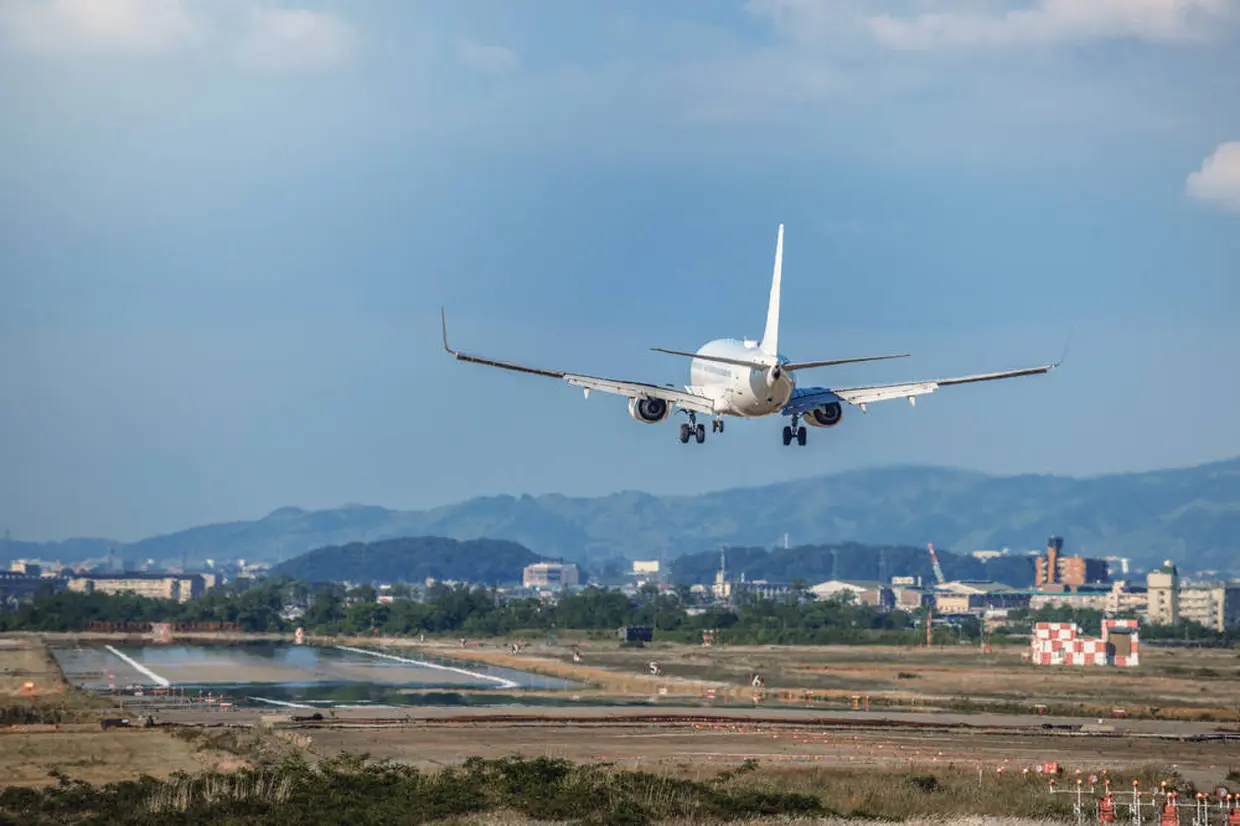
{"x": 27, "y": 759}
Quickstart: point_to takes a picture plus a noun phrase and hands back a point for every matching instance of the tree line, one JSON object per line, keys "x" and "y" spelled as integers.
{"x": 328, "y": 608}
{"x": 474, "y": 612}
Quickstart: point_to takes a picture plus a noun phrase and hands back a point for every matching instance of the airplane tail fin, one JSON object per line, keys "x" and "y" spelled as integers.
{"x": 770, "y": 337}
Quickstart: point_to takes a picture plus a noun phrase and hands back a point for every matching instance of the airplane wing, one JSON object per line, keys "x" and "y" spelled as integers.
{"x": 804, "y": 399}
{"x": 683, "y": 398}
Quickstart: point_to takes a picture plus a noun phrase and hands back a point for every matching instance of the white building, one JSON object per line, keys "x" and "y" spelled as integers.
{"x": 550, "y": 575}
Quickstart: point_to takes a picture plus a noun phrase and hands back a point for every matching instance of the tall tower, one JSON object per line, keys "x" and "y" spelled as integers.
{"x": 721, "y": 589}
{"x": 1054, "y": 546}
{"x": 1163, "y": 586}
{"x": 1048, "y": 566}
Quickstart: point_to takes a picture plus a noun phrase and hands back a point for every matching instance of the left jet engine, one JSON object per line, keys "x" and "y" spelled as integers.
{"x": 650, "y": 411}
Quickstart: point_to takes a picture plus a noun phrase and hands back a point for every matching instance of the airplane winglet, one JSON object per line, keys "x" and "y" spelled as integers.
{"x": 1064, "y": 355}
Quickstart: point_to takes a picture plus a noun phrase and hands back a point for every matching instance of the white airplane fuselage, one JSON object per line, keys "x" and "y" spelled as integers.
{"x": 741, "y": 390}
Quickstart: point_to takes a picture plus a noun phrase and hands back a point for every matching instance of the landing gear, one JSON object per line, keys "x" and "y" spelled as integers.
{"x": 692, "y": 430}
{"x": 717, "y": 425}
{"x": 797, "y": 431}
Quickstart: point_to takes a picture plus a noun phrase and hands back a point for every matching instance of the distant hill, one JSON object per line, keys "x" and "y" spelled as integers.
{"x": 850, "y": 560}
{"x": 492, "y": 561}
{"x": 1189, "y": 514}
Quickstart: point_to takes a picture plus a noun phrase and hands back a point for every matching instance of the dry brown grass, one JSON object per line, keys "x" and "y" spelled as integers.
{"x": 516, "y": 819}
{"x": 96, "y": 756}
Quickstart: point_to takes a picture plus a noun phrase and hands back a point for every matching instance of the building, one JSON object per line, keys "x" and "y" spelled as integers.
{"x": 26, "y": 566}
{"x": 1055, "y": 571}
{"x": 650, "y": 566}
{"x": 866, "y": 592}
{"x": 987, "y": 555}
{"x": 550, "y": 575}
{"x": 1163, "y": 590}
{"x": 1216, "y": 607}
{"x": 1126, "y": 599}
{"x": 762, "y": 589}
{"x": 181, "y": 588}
{"x": 17, "y": 587}
{"x": 1094, "y": 599}
{"x": 976, "y": 596}
{"x": 1061, "y": 643}
{"x": 910, "y": 597}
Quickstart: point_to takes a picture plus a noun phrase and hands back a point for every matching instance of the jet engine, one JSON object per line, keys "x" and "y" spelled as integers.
{"x": 828, "y": 415}
{"x": 650, "y": 411}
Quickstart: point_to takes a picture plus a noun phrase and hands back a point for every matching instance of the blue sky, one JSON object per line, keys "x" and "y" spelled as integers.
{"x": 226, "y": 228}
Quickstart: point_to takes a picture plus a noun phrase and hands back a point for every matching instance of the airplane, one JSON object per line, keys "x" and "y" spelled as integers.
{"x": 749, "y": 380}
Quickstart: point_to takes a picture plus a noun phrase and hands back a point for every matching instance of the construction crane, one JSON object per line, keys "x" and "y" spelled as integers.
{"x": 934, "y": 560}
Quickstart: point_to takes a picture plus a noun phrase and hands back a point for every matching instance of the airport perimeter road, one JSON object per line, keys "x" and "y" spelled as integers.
{"x": 910, "y": 719}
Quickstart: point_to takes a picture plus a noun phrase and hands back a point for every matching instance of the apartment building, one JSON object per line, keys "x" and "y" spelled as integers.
{"x": 1163, "y": 592}
{"x": 1216, "y": 607}
{"x": 181, "y": 588}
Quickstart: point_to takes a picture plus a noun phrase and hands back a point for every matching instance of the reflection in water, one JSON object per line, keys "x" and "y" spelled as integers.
{"x": 281, "y": 673}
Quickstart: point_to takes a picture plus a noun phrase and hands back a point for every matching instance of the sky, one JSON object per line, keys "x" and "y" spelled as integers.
{"x": 227, "y": 228}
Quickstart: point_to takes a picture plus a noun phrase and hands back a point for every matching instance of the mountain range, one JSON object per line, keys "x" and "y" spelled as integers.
{"x": 1191, "y": 515}
{"x": 487, "y": 561}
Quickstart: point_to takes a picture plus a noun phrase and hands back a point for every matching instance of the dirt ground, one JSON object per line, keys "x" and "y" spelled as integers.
{"x": 685, "y": 741}
{"x": 22, "y": 659}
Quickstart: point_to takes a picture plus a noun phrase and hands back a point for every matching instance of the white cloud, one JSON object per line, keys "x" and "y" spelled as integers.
{"x": 939, "y": 24}
{"x": 496, "y": 60}
{"x": 1218, "y": 180}
{"x": 296, "y": 39}
{"x": 1054, "y": 21}
{"x": 281, "y": 39}
{"x": 62, "y": 26}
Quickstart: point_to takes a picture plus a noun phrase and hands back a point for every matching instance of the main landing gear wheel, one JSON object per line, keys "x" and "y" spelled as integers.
{"x": 795, "y": 430}
{"x": 692, "y": 430}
